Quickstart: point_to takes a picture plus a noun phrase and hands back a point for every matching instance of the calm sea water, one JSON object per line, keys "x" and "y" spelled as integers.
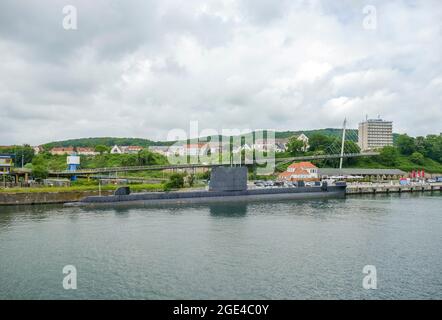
{"x": 312, "y": 249}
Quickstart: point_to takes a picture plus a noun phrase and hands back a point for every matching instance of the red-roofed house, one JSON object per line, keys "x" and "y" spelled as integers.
{"x": 305, "y": 171}
{"x": 61, "y": 151}
{"x": 195, "y": 149}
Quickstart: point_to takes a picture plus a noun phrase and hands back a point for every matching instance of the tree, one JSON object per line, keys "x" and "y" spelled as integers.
{"x": 191, "y": 180}
{"x": 319, "y": 142}
{"x": 23, "y": 154}
{"x": 417, "y": 158}
{"x": 405, "y": 144}
{"x": 145, "y": 157}
{"x": 295, "y": 146}
{"x": 433, "y": 147}
{"x": 389, "y": 156}
{"x": 129, "y": 160}
{"x": 419, "y": 143}
{"x": 40, "y": 172}
{"x": 101, "y": 148}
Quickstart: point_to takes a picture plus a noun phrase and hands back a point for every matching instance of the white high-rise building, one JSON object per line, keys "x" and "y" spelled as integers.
{"x": 374, "y": 134}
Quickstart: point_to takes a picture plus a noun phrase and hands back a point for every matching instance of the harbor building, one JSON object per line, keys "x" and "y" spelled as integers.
{"x": 304, "y": 171}
{"x": 375, "y": 134}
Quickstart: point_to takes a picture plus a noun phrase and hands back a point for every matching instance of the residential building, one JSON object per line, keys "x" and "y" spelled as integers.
{"x": 38, "y": 149}
{"x": 84, "y": 151}
{"x": 305, "y": 171}
{"x": 131, "y": 149}
{"x": 263, "y": 145}
{"x": 59, "y": 151}
{"x": 374, "y": 134}
{"x": 116, "y": 150}
{"x": 195, "y": 149}
{"x": 126, "y": 149}
{"x": 302, "y": 137}
{"x": 245, "y": 147}
{"x": 281, "y": 145}
{"x": 5, "y": 163}
{"x": 163, "y": 150}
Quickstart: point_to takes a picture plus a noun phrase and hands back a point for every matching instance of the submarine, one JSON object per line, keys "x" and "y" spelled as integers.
{"x": 227, "y": 184}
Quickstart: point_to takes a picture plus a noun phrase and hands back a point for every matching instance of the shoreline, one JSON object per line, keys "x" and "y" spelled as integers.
{"x": 63, "y": 197}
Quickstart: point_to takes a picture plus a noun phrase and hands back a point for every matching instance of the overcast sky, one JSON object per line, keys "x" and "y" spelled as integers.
{"x": 140, "y": 68}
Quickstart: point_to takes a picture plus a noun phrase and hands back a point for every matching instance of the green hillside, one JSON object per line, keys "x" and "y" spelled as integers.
{"x": 106, "y": 141}
{"x": 111, "y": 141}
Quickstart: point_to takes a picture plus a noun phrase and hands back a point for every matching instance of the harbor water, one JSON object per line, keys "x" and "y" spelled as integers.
{"x": 309, "y": 249}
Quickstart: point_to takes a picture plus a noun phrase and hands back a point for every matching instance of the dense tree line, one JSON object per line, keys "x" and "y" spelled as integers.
{"x": 407, "y": 153}
{"x": 419, "y": 147}
{"x": 105, "y": 141}
{"x": 21, "y": 154}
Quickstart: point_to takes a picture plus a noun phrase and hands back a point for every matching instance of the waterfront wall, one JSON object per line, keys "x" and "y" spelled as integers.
{"x": 75, "y": 196}
{"x": 391, "y": 188}
{"x": 46, "y": 197}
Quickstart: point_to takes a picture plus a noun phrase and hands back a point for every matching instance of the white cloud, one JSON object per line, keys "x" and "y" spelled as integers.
{"x": 141, "y": 68}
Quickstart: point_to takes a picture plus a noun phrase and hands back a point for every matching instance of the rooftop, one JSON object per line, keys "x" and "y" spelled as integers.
{"x": 302, "y": 165}
{"x": 359, "y": 172}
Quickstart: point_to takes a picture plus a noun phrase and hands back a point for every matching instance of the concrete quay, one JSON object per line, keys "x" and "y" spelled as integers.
{"x": 373, "y": 188}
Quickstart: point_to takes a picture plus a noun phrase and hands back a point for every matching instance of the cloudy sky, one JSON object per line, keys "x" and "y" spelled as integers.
{"x": 141, "y": 68}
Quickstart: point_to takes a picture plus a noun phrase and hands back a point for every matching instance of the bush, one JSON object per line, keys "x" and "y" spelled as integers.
{"x": 176, "y": 181}
{"x": 191, "y": 180}
{"x": 417, "y": 158}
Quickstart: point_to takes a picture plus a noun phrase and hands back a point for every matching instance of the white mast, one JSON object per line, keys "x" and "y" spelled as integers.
{"x": 342, "y": 144}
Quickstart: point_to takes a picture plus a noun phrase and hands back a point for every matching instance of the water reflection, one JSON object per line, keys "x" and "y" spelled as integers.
{"x": 228, "y": 209}
{"x": 10, "y": 214}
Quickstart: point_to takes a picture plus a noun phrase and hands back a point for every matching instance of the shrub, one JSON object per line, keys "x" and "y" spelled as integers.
{"x": 417, "y": 158}
{"x": 176, "y": 181}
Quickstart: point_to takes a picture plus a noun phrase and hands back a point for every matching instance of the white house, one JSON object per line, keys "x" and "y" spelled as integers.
{"x": 125, "y": 149}
{"x": 163, "y": 150}
{"x": 131, "y": 149}
{"x": 116, "y": 150}
{"x": 304, "y": 139}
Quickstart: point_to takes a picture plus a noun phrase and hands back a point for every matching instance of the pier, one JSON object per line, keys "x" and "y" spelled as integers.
{"x": 373, "y": 188}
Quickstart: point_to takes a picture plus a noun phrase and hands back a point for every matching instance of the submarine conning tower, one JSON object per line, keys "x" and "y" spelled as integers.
{"x": 228, "y": 179}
